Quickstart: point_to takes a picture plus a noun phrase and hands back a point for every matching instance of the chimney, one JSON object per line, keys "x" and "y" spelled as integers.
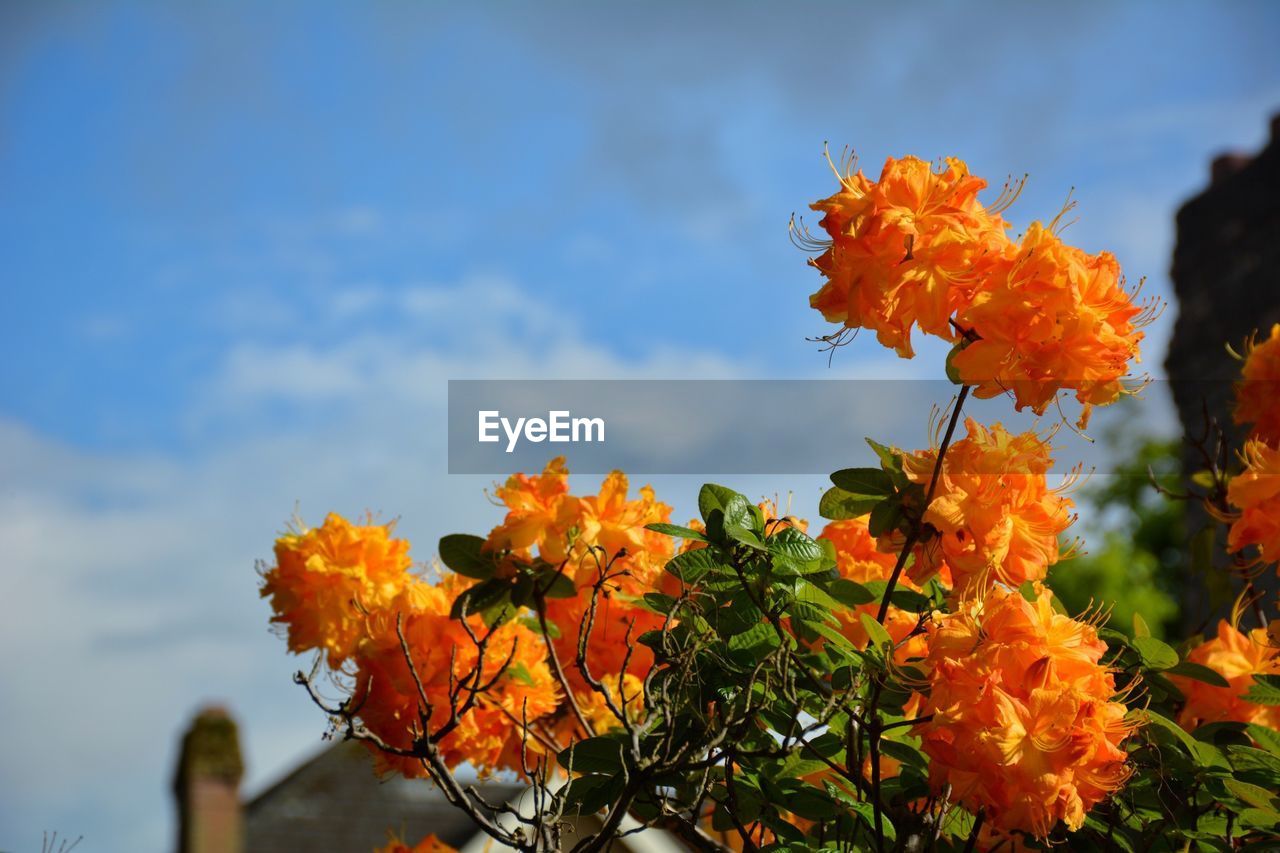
{"x": 207, "y": 786}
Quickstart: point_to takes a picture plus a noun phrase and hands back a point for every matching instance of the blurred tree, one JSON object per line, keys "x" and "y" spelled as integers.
{"x": 1141, "y": 539}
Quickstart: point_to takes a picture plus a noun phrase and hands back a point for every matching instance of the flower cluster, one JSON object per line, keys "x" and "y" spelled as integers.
{"x": 597, "y": 540}
{"x": 326, "y": 578}
{"x": 1258, "y": 391}
{"x": 1237, "y": 657}
{"x": 906, "y": 250}
{"x": 1033, "y": 317}
{"x": 348, "y": 591}
{"x": 1255, "y": 492}
{"x": 994, "y": 517}
{"x": 483, "y": 682}
{"x": 1022, "y": 719}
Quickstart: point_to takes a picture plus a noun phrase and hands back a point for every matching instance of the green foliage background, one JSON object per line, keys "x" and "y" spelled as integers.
{"x": 1135, "y": 542}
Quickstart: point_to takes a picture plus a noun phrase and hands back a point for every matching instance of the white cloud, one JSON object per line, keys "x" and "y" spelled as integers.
{"x": 130, "y": 578}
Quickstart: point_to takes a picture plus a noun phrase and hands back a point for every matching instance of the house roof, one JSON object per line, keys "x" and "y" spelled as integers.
{"x": 335, "y": 802}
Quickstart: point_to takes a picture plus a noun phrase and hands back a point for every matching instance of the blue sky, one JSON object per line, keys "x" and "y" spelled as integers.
{"x": 242, "y": 249}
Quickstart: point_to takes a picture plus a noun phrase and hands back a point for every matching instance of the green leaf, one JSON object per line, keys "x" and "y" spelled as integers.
{"x": 1267, "y": 738}
{"x": 850, "y": 593}
{"x": 811, "y": 804}
{"x": 1260, "y": 818}
{"x": 657, "y": 602}
{"x": 757, "y": 641}
{"x": 1148, "y": 717}
{"x": 875, "y": 632}
{"x": 1252, "y": 794}
{"x": 601, "y": 754}
{"x": 1248, "y": 758}
{"x": 1265, "y": 690}
{"x": 676, "y": 531}
{"x": 907, "y": 599}
{"x": 838, "y": 505}
{"x": 1204, "y": 479}
{"x": 866, "y": 812}
{"x": 461, "y": 552}
{"x": 830, "y": 634}
{"x": 592, "y": 793}
{"x": 1199, "y": 672}
{"x": 1209, "y": 756}
{"x": 910, "y": 600}
{"x": 482, "y": 598}
{"x": 871, "y": 482}
{"x": 885, "y": 516}
{"x": 815, "y": 595}
{"x": 692, "y": 566}
{"x": 904, "y": 753}
{"x": 1112, "y": 637}
{"x": 1140, "y": 628}
{"x": 521, "y": 673}
{"x": 890, "y": 459}
{"x": 555, "y": 584}
{"x": 744, "y": 535}
{"x": 953, "y": 374}
{"x": 790, "y": 542}
{"x": 1154, "y": 653}
{"x": 521, "y": 589}
{"x": 721, "y": 506}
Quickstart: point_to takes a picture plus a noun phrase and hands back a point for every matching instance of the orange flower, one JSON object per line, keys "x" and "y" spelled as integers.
{"x": 540, "y": 512}
{"x": 917, "y": 248}
{"x": 1024, "y": 720}
{"x": 858, "y": 560}
{"x": 609, "y": 538}
{"x": 489, "y": 732}
{"x": 1256, "y": 493}
{"x": 1258, "y": 390}
{"x": 596, "y": 709}
{"x": 430, "y": 844}
{"x": 616, "y": 525}
{"x": 325, "y": 576}
{"x": 904, "y": 250}
{"x": 995, "y": 517}
{"x": 1237, "y": 657}
{"x": 1049, "y": 317}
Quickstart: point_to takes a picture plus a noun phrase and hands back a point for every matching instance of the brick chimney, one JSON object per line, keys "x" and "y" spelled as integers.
{"x": 207, "y": 786}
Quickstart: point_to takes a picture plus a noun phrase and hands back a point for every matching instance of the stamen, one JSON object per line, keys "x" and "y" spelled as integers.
{"x": 1056, "y": 226}
{"x": 803, "y": 239}
{"x": 1008, "y": 194}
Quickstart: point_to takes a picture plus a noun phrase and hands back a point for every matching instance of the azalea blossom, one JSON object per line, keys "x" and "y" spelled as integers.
{"x": 326, "y": 578}
{"x": 993, "y": 518}
{"x": 1258, "y": 391}
{"x": 1236, "y": 656}
{"x": 1022, "y": 719}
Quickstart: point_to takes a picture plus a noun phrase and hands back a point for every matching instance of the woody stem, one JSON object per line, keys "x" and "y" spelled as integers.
{"x": 917, "y": 529}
